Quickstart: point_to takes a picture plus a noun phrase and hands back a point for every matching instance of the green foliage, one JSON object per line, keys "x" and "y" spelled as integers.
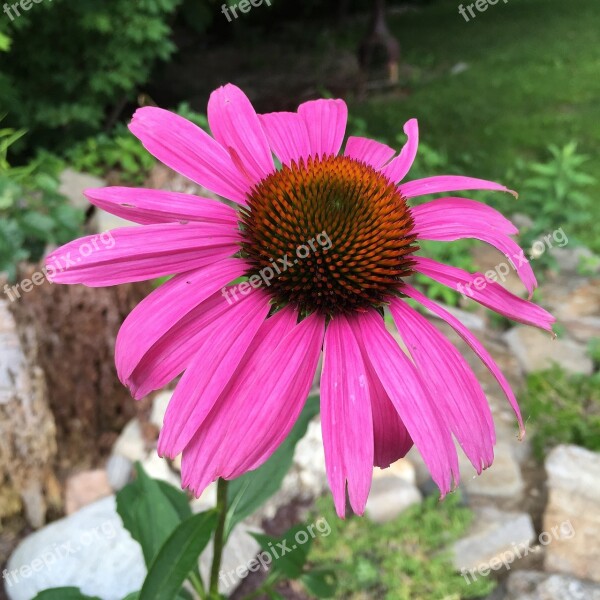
{"x": 563, "y": 409}
{"x": 547, "y": 188}
{"x": 71, "y": 61}
{"x": 400, "y": 560}
{"x": 120, "y": 152}
{"x": 64, "y": 593}
{"x": 290, "y": 562}
{"x": 32, "y": 211}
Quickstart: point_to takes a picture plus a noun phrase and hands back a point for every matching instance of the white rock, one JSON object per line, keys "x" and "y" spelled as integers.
{"x": 471, "y": 321}
{"x": 104, "y": 221}
{"x": 532, "y": 585}
{"x": 502, "y": 480}
{"x": 90, "y": 550}
{"x": 73, "y": 184}
{"x": 159, "y": 408}
{"x": 158, "y": 468}
{"x": 492, "y": 534}
{"x": 572, "y": 511}
{"x": 118, "y": 470}
{"x": 389, "y": 497}
{"x": 536, "y": 351}
{"x": 130, "y": 443}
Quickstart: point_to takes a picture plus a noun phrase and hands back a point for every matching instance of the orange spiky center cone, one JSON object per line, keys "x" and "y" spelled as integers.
{"x": 336, "y": 234}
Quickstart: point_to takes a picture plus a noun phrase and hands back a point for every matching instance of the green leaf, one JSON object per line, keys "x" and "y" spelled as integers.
{"x": 249, "y": 492}
{"x": 178, "y": 499}
{"x": 64, "y": 593}
{"x": 178, "y": 557}
{"x": 148, "y": 513}
{"x": 289, "y": 556}
{"x": 321, "y": 584}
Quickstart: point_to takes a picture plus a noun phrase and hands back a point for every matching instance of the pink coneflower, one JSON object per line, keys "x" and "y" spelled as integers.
{"x": 248, "y": 364}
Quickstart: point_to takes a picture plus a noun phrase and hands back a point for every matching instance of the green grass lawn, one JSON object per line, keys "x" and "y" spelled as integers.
{"x": 533, "y": 79}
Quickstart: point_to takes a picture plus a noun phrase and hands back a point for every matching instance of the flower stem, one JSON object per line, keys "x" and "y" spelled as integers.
{"x": 219, "y": 538}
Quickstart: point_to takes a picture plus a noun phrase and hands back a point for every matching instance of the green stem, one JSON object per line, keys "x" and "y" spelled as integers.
{"x": 219, "y": 541}
{"x": 196, "y": 582}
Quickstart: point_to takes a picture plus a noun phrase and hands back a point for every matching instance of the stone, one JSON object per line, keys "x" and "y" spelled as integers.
{"x": 73, "y": 184}
{"x": 537, "y": 351}
{"x": 89, "y": 549}
{"x": 130, "y": 443}
{"x": 494, "y": 536}
{"x": 470, "y": 320}
{"x": 502, "y": 479}
{"x": 158, "y": 468}
{"x": 27, "y": 426}
{"x": 159, "y": 408}
{"x": 390, "y": 496}
{"x": 573, "y": 501}
{"x": 533, "y": 585}
{"x": 85, "y": 488}
{"x": 119, "y": 470}
{"x": 104, "y": 221}
{"x": 402, "y": 468}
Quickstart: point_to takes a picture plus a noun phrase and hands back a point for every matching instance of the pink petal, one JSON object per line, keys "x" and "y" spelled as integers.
{"x": 475, "y": 344}
{"x": 368, "y": 151}
{"x": 190, "y": 151}
{"x": 175, "y": 350}
{"x": 409, "y": 395}
{"x": 490, "y": 294}
{"x": 140, "y": 253}
{"x": 287, "y": 135}
{"x": 223, "y": 347}
{"x": 431, "y": 217}
{"x": 157, "y": 206}
{"x": 235, "y": 124}
{"x": 448, "y": 183}
{"x": 391, "y": 439}
{"x": 278, "y": 374}
{"x": 396, "y": 171}
{"x": 326, "y": 123}
{"x": 449, "y": 379}
{"x": 446, "y": 223}
{"x": 160, "y": 311}
{"x": 345, "y": 408}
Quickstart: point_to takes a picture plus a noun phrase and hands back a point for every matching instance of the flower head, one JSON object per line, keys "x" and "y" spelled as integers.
{"x": 325, "y": 242}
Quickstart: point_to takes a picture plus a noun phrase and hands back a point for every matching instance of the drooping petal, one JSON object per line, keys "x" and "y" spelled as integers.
{"x": 326, "y": 123}
{"x": 175, "y": 350}
{"x": 409, "y": 395}
{"x": 451, "y": 381}
{"x": 141, "y": 253}
{"x": 288, "y": 136}
{"x": 489, "y": 293}
{"x": 368, "y": 151}
{"x": 146, "y": 207}
{"x": 445, "y": 224}
{"x": 235, "y": 124}
{"x": 397, "y": 169}
{"x": 391, "y": 439}
{"x": 448, "y": 183}
{"x": 345, "y": 408}
{"x": 223, "y": 347}
{"x": 473, "y": 342}
{"x": 161, "y": 310}
{"x": 190, "y": 151}
{"x": 433, "y": 216}
{"x": 260, "y": 406}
